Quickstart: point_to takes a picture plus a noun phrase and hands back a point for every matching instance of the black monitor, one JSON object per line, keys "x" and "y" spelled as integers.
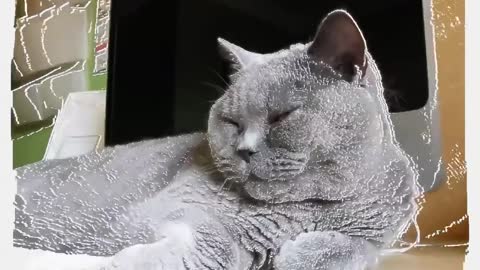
{"x": 165, "y": 71}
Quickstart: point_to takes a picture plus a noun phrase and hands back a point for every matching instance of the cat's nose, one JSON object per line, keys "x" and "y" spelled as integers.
{"x": 248, "y": 143}
{"x": 245, "y": 154}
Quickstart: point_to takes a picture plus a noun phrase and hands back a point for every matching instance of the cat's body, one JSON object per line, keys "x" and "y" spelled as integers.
{"x": 323, "y": 171}
{"x": 191, "y": 193}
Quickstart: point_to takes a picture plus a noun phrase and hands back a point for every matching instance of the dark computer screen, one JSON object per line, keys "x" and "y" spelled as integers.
{"x": 165, "y": 70}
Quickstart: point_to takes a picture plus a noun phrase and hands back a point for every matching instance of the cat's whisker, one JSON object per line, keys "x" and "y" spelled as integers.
{"x": 218, "y": 88}
{"x": 230, "y": 187}
{"x": 219, "y": 76}
{"x": 224, "y": 182}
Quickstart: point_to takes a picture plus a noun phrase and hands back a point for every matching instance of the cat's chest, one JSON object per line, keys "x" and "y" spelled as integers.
{"x": 265, "y": 227}
{"x": 254, "y": 225}
{"x": 269, "y": 226}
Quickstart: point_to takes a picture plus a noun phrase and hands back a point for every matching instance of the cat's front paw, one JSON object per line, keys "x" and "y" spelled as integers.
{"x": 156, "y": 256}
{"x": 325, "y": 251}
{"x": 165, "y": 254}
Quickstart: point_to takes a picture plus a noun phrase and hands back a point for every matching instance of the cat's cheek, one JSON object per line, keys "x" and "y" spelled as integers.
{"x": 221, "y": 137}
{"x": 323, "y": 136}
{"x": 292, "y": 138}
{"x": 377, "y": 127}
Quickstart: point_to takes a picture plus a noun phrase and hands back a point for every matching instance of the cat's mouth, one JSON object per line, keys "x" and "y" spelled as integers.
{"x": 280, "y": 169}
{"x": 273, "y": 176}
{"x": 277, "y": 167}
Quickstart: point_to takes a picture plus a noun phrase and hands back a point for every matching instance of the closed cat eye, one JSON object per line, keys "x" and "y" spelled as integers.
{"x": 231, "y": 122}
{"x": 346, "y": 127}
{"x": 276, "y": 118}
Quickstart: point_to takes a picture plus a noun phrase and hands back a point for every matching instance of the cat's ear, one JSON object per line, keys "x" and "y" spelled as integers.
{"x": 237, "y": 56}
{"x": 340, "y": 44}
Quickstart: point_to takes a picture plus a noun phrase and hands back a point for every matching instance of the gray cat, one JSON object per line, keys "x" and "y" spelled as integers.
{"x": 299, "y": 169}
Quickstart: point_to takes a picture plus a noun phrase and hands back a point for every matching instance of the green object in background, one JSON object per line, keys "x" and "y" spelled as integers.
{"x": 98, "y": 82}
{"x": 95, "y": 82}
{"x": 30, "y": 141}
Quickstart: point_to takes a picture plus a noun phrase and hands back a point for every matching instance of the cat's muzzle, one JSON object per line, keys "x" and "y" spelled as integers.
{"x": 277, "y": 165}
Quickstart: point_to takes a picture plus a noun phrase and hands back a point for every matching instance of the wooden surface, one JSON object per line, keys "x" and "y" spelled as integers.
{"x": 443, "y": 217}
{"x": 426, "y": 258}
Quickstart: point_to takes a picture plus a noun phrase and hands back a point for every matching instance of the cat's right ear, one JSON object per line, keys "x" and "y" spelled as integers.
{"x": 340, "y": 44}
{"x": 238, "y": 57}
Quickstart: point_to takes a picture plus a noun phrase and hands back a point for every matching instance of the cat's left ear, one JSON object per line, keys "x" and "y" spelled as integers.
{"x": 340, "y": 44}
{"x": 238, "y": 57}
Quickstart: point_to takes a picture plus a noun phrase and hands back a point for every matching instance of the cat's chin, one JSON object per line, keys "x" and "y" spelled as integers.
{"x": 263, "y": 190}
{"x": 269, "y": 191}
{"x": 293, "y": 190}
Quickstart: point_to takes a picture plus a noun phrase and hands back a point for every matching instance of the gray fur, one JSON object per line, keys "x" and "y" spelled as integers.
{"x": 299, "y": 169}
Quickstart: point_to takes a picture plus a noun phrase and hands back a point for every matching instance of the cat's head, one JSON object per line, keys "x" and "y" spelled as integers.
{"x": 290, "y": 114}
